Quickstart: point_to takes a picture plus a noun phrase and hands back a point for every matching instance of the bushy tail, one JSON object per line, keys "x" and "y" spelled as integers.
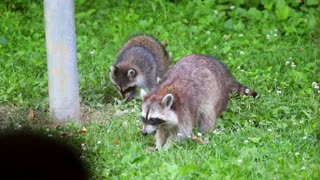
{"x": 240, "y": 89}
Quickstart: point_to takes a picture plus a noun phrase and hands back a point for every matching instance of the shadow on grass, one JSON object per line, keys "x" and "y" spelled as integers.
{"x": 29, "y": 154}
{"x": 34, "y": 148}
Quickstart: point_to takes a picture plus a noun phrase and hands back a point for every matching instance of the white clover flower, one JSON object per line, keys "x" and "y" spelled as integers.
{"x": 275, "y": 30}
{"x": 275, "y": 35}
{"x": 232, "y": 7}
{"x": 290, "y": 58}
{"x": 189, "y": 136}
{"x": 242, "y": 70}
{"x": 316, "y": 87}
{"x": 304, "y": 137}
{"x": 206, "y": 140}
{"x": 269, "y": 130}
{"x": 18, "y": 126}
{"x": 303, "y": 168}
{"x": 241, "y": 53}
{"x": 294, "y": 123}
{"x": 240, "y": 35}
{"x": 199, "y": 134}
{"x": 179, "y": 134}
{"x": 246, "y": 141}
{"x": 301, "y": 121}
{"x": 99, "y": 142}
{"x": 125, "y": 124}
{"x": 133, "y": 110}
{"x": 215, "y": 47}
{"x": 215, "y": 11}
{"x": 267, "y": 36}
{"x": 297, "y": 154}
{"x": 92, "y": 52}
{"x": 84, "y": 147}
{"x": 279, "y": 92}
{"x": 247, "y": 91}
{"x": 293, "y": 65}
{"x": 208, "y": 32}
{"x": 47, "y": 129}
{"x": 216, "y": 131}
{"x": 239, "y": 161}
{"x": 314, "y": 84}
{"x": 319, "y": 91}
{"x": 238, "y": 67}
{"x": 287, "y": 62}
{"x": 226, "y": 37}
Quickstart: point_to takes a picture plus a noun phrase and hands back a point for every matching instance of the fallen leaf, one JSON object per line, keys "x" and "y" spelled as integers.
{"x": 115, "y": 141}
{"x": 31, "y": 114}
{"x": 83, "y": 130}
{"x": 66, "y": 134}
{"x": 195, "y": 138}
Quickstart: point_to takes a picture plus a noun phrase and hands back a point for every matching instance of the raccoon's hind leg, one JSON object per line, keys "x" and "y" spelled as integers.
{"x": 206, "y": 120}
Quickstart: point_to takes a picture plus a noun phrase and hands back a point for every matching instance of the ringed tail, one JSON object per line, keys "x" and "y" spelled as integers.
{"x": 240, "y": 89}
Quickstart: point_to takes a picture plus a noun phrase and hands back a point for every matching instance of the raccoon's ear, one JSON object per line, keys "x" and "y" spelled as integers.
{"x": 158, "y": 80}
{"x": 167, "y": 101}
{"x": 131, "y": 74}
{"x": 143, "y": 93}
{"x": 113, "y": 69}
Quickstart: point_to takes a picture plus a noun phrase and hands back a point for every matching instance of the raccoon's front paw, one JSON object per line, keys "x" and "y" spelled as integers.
{"x": 165, "y": 147}
{"x": 158, "y": 146}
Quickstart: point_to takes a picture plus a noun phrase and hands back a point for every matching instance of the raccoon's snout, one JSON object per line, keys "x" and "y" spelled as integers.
{"x": 144, "y": 132}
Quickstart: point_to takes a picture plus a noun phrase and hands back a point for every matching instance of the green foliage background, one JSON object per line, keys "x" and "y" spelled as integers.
{"x": 103, "y": 26}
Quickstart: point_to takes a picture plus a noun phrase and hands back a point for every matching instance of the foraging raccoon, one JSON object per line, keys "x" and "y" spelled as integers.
{"x": 141, "y": 62}
{"x": 195, "y": 92}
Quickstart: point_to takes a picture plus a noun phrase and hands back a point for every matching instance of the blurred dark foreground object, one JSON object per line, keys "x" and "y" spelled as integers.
{"x": 27, "y": 155}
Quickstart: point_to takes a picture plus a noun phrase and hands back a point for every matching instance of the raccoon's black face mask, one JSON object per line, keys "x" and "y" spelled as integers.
{"x": 124, "y": 82}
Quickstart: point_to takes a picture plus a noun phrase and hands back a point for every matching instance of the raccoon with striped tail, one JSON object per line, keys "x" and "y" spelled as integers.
{"x": 195, "y": 92}
{"x": 141, "y": 63}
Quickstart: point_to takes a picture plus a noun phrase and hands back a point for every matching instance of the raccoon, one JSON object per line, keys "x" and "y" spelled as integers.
{"x": 141, "y": 63}
{"x": 195, "y": 92}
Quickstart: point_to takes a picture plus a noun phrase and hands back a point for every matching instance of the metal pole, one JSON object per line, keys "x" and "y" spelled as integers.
{"x": 63, "y": 79}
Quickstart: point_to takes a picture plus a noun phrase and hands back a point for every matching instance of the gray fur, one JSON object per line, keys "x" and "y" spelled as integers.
{"x": 140, "y": 62}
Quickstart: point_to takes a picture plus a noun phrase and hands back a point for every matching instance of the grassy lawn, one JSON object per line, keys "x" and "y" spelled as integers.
{"x": 269, "y": 46}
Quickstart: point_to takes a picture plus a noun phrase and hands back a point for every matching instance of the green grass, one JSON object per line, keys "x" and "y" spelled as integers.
{"x": 273, "y": 137}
